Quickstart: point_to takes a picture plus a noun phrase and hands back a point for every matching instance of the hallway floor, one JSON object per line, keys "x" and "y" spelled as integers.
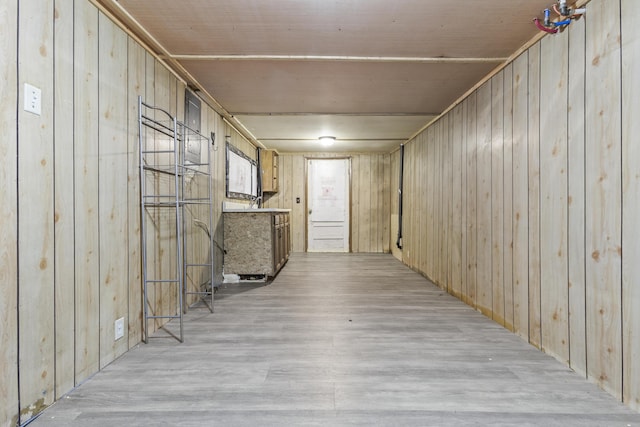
{"x": 334, "y": 340}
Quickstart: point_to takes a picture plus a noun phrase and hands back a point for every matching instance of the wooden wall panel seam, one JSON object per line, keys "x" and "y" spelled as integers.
{"x": 85, "y": 139}
{"x": 631, "y": 203}
{"x": 463, "y": 204}
{"x": 113, "y": 229}
{"x": 64, "y": 182}
{"x": 35, "y": 208}
{"x": 135, "y": 86}
{"x": 576, "y": 182}
{"x": 520, "y": 209}
{"x": 9, "y": 392}
{"x": 603, "y": 138}
{"x": 484, "y": 287}
{"x": 497, "y": 194}
{"x": 553, "y": 197}
{"x": 534, "y": 194}
{"x": 472, "y": 157}
{"x": 508, "y": 195}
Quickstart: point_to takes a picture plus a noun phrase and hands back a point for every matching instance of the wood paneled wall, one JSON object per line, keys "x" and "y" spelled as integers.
{"x": 69, "y": 200}
{"x": 524, "y": 199}
{"x": 370, "y": 198}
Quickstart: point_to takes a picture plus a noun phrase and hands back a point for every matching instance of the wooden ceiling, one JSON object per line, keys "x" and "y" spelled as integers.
{"x": 369, "y": 72}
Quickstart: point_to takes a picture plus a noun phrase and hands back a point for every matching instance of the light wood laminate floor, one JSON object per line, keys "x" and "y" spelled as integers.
{"x": 349, "y": 339}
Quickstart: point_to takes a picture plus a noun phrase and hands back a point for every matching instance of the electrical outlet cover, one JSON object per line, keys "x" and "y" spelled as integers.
{"x": 32, "y": 99}
{"x": 119, "y": 328}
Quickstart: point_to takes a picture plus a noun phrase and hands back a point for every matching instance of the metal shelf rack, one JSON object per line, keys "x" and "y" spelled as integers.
{"x": 176, "y": 216}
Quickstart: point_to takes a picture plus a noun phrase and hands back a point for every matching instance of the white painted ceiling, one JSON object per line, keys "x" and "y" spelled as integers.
{"x": 369, "y": 72}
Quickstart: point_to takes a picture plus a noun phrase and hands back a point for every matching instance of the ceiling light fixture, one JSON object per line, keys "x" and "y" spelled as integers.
{"x": 327, "y": 141}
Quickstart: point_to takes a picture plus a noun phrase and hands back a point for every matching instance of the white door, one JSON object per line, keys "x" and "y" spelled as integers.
{"x": 328, "y": 205}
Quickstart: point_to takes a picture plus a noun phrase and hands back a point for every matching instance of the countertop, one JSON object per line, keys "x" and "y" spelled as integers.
{"x": 261, "y": 210}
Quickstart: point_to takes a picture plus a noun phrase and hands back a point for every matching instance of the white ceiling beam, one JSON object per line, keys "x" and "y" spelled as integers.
{"x": 331, "y": 58}
{"x": 399, "y": 138}
{"x": 312, "y": 114}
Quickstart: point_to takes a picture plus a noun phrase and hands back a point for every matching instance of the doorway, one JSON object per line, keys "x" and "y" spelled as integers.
{"x": 328, "y": 213}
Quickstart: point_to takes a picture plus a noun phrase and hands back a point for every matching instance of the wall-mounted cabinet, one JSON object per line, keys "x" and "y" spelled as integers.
{"x": 269, "y": 165}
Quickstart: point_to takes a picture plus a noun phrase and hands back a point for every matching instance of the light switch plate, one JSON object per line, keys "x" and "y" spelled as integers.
{"x": 32, "y": 99}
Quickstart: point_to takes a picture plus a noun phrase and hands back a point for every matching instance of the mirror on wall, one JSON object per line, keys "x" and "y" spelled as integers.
{"x": 242, "y": 174}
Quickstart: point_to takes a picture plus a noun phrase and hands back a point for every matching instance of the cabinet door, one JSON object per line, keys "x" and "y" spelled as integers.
{"x": 275, "y": 243}
{"x": 283, "y": 235}
{"x": 287, "y": 237}
{"x": 269, "y": 165}
{"x": 274, "y": 178}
